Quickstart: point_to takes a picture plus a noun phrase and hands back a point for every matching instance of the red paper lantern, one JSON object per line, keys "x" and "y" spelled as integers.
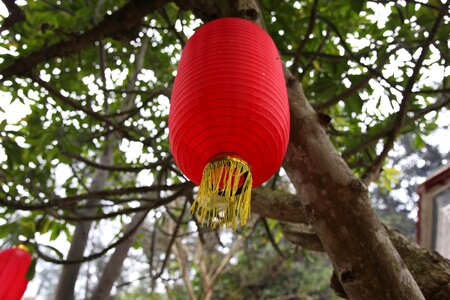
{"x": 14, "y": 263}
{"x": 229, "y": 116}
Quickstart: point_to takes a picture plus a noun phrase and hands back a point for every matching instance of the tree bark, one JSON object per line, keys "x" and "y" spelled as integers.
{"x": 112, "y": 269}
{"x": 337, "y": 205}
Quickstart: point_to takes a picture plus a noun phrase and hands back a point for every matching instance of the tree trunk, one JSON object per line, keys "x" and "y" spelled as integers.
{"x": 112, "y": 269}
{"x": 68, "y": 277}
{"x": 337, "y": 205}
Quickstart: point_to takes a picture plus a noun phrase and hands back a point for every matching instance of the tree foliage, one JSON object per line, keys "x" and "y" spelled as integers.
{"x": 86, "y": 88}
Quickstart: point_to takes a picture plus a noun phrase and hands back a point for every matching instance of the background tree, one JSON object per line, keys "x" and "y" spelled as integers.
{"x": 90, "y": 147}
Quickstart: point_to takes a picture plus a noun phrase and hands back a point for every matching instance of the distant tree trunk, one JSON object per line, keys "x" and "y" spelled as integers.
{"x": 208, "y": 294}
{"x": 182, "y": 259}
{"x": 69, "y": 274}
{"x": 112, "y": 269}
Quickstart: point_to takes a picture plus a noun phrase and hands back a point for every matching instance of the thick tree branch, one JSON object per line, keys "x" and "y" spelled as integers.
{"x": 126, "y": 18}
{"x": 277, "y": 205}
{"x": 15, "y": 15}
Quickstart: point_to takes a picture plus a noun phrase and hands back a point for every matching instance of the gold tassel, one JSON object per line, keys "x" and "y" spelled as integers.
{"x": 224, "y": 193}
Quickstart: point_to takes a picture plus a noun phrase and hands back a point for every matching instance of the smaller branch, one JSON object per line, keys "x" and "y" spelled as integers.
{"x": 125, "y": 18}
{"x": 172, "y": 28}
{"x": 437, "y": 91}
{"x": 80, "y": 180}
{"x": 354, "y": 88}
{"x": 301, "y": 46}
{"x": 271, "y": 238}
{"x": 232, "y": 251}
{"x": 171, "y": 242}
{"x": 409, "y": 2}
{"x": 66, "y": 100}
{"x": 101, "y": 54}
{"x": 382, "y": 133}
{"x": 327, "y": 56}
{"x": 313, "y": 57}
{"x": 124, "y": 191}
{"x": 124, "y": 211}
{"x": 124, "y": 237}
{"x": 151, "y": 255}
{"x": 349, "y": 51}
{"x": 182, "y": 259}
{"x": 373, "y": 172}
{"x": 114, "y": 168}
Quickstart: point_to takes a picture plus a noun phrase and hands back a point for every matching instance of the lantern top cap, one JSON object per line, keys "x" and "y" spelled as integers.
{"x": 22, "y": 247}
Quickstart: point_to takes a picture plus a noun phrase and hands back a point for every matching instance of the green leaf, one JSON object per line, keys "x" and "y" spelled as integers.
{"x": 13, "y": 152}
{"x": 27, "y": 227}
{"x": 418, "y": 142}
{"x": 7, "y": 229}
{"x": 357, "y": 5}
{"x": 45, "y": 226}
{"x": 31, "y": 270}
{"x": 56, "y": 230}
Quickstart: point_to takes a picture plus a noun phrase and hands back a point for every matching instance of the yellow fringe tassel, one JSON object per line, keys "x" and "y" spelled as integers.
{"x": 220, "y": 199}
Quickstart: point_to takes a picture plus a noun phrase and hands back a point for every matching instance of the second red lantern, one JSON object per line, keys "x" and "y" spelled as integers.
{"x": 229, "y": 117}
{"x": 14, "y": 263}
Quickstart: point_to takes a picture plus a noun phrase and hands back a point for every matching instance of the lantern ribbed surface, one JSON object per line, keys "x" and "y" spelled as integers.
{"x": 14, "y": 263}
{"x": 229, "y": 97}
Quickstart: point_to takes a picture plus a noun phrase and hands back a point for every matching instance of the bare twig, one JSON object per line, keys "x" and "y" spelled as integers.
{"x": 271, "y": 238}
{"x": 171, "y": 242}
